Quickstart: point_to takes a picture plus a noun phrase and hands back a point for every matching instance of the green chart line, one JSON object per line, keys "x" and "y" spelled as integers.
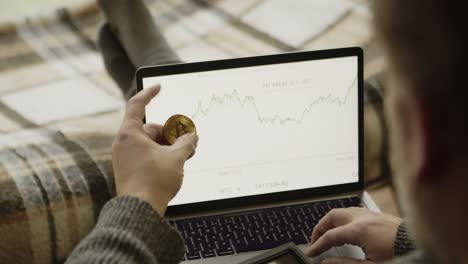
{"x": 250, "y": 101}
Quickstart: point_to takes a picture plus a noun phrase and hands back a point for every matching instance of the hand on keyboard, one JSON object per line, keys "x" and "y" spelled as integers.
{"x": 254, "y": 230}
{"x": 374, "y": 232}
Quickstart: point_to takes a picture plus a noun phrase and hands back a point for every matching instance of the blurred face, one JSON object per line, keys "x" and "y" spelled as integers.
{"x": 430, "y": 182}
{"x": 424, "y": 195}
{"x": 422, "y": 203}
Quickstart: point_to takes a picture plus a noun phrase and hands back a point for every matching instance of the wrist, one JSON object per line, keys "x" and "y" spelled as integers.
{"x": 159, "y": 204}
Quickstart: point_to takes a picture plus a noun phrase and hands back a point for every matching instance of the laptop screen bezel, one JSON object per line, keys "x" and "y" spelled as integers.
{"x": 180, "y": 68}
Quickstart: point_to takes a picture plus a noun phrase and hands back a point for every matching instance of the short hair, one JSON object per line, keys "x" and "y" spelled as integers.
{"x": 427, "y": 41}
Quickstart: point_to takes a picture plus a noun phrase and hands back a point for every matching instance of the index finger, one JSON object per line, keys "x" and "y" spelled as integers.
{"x": 334, "y": 238}
{"x": 136, "y": 105}
{"x": 334, "y": 218}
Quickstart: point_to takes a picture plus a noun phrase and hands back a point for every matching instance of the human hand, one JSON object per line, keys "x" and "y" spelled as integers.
{"x": 143, "y": 166}
{"x": 374, "y": 232}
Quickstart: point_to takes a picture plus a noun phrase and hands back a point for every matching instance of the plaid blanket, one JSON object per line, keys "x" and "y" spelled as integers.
{"x": 59, "y": 109}
{"x": 52, "y": 188}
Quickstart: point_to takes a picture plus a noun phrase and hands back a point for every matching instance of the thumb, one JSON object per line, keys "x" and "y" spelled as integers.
{"x": 346, "y": 260}
{"x": 186, "y": 145}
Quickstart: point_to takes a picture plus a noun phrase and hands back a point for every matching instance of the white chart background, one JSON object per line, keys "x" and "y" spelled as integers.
{"x": 265, "y": 129}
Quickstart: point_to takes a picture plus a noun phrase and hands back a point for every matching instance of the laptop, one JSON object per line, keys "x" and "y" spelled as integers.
{"x": 281, "y": 144}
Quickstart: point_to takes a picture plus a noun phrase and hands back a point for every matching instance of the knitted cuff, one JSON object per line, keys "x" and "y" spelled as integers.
{"x": 141, "y": 220}
{"x": 403, "y": 242}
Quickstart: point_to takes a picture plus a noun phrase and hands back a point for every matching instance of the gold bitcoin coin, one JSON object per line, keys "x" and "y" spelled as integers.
{"x": 176, "y": 126}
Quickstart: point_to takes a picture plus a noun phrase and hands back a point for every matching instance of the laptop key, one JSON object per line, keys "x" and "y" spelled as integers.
{"x": 252, "y": 241}
{"x": 192, "y": 255}
{"x": 213, "y": 222}
{"x": 282, "y": 237}
{"x": 182, "y": 226}
{"x": 228, "y": 236}
{"x": 193, "y": 248}
{"x": 225, "y": 251}
{"x": 214, "y": 237}
{"x": 208, "y": 245}
{"x": 240, "y": 233}
{"x": 207, "y": 231}
{"x": 208, "y": 253}
{"x": 193, "y": 233}
{"x": 223, "y": 244}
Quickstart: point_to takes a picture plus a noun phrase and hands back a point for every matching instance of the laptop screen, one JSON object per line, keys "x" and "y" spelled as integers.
{"x": 265, "y": 129}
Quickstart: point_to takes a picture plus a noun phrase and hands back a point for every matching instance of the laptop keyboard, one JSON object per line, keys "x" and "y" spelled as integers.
{"x": 226, "y": 234}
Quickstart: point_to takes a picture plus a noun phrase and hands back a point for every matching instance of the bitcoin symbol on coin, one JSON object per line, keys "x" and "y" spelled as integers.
{"x": 176, "y": 126}
{"x": 181, "y": 129}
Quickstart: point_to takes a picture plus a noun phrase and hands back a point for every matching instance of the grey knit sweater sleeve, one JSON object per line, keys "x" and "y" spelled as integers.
{"x": 129, "y": 231}
{"x": 403, "y": 242}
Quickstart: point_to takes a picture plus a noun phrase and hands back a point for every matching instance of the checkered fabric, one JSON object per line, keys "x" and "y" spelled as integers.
{"x": 59, "y": 109}
{"x": 52, "y": 187}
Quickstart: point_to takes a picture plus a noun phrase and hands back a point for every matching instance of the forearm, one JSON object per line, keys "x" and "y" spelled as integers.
{"x": 129, "y": 231}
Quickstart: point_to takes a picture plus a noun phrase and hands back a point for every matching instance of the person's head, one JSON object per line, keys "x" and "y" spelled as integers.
{"x": 427, "y": 109}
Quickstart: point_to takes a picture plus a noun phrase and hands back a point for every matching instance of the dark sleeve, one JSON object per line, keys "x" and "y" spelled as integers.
{"x": 129, "y": 231}
{"x": 403, "y": 242}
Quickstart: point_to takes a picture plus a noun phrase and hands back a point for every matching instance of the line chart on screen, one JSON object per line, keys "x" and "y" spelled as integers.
{"x": 250, "y": 102}
{"x": 265, "y": 129}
